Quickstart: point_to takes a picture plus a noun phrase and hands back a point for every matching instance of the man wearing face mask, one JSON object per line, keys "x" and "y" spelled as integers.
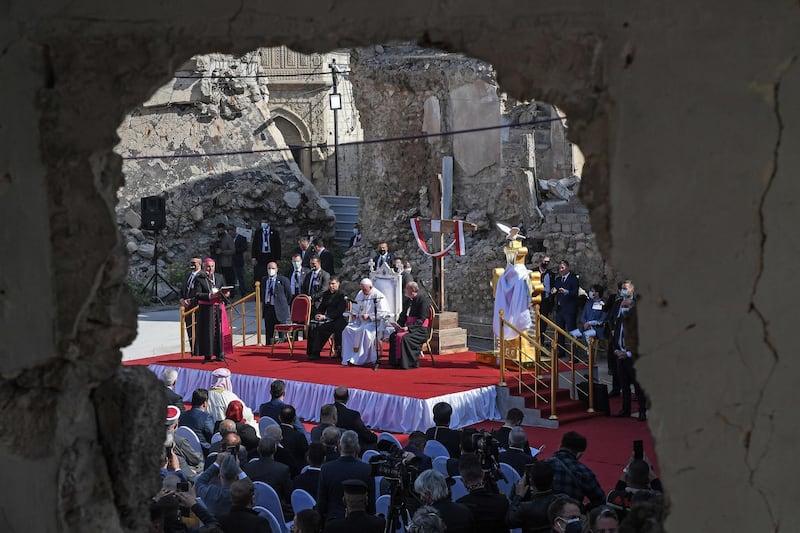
{"x": 305, "y": 251}
{"x": 408, "y": 277}
{"x": 383, "y": 257}
{"x": 275, "y": 297}
{"x": 356, "y": 238}
{"x": 614, "y": 315}
{"x": 315, "y": 283}
{"x": 593, "y": 316}
{"x": 296, "y": 273}
{"x": 266, "y": 247}
{"x": 546, "y": 307}
{"x": 626, "y": 350}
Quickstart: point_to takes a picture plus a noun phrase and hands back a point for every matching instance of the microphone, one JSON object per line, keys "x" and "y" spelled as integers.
{"x": 377, "y": 298}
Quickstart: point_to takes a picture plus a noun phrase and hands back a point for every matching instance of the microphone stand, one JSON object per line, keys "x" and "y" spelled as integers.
{"x": 378, "y": 341}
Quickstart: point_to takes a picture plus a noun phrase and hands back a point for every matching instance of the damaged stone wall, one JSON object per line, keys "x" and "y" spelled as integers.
{"x": 214, "y": 105}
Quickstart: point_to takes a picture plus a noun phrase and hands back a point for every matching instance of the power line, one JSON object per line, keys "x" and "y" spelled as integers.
{"x": 236, "y": 76}
{"x": 352, "y": 143}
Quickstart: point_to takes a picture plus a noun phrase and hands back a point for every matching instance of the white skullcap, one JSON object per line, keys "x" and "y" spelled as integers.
{"x": 222, "y": 373}
{"x": 366, "y": 281}
{"x": 173, "y": 414}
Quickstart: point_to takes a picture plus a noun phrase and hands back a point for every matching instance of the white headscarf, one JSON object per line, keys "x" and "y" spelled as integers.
{"x": 223, "y": 382}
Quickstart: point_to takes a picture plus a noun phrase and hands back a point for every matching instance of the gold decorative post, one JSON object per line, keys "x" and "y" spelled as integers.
{"x": 258, "y": 313}
{"x": 502, "y": 351}
{"x": 183, "y": 333}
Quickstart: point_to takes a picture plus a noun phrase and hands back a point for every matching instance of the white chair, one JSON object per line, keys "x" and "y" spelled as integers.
{"x": 382, "y": 505}
{"x": 434, "y": 449}
{"x": 264, "y": 422}
{"x": 302, "y": 500}
{"x": 369, "y": 454}
{"x": 512, "y": 477}
{"x": 378, "y": 481}
{"x": 274, "y": 523}
{"x": 267, "y": 498}
{"x": 390, "y": 438}
{"x": 216, "y": 437}
{"x": 188, "y": 434}
{"x": 458, "y": 489}
{"x": 440, "y": 464}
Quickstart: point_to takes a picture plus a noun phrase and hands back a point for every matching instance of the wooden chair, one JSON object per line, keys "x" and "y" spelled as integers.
{"x": 299, "y": 317}
{"x": 427, "y": 343}
{"x": 331, "y": 344}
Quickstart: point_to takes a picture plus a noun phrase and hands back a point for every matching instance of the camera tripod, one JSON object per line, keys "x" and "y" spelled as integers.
{"x": 152, "y": 281}
{"x": 398, "y": 512}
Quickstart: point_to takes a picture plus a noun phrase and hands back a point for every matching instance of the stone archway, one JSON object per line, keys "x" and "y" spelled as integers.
{"x": 294, "y": 134}
{"x": 649, "y": 109}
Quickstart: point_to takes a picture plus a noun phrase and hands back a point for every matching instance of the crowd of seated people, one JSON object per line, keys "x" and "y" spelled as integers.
{"x": 458, "y": 488}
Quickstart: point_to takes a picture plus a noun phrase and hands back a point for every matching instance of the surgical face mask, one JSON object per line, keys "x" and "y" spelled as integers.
{"x": 591, "y": 294}
{"x": 398, "y": 266}
{"x": 271, "y": 271}
{"x": 545, "y": 264}
{"x": 355, "y": 231}
{"x": 407, "y": 269}
{"x": 297, "y": 264}
{"x": 625, "y": 293}
{"x": 264, "y": 225}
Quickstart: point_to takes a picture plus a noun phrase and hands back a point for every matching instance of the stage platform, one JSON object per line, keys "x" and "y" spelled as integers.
{"x": 399, "y": 401}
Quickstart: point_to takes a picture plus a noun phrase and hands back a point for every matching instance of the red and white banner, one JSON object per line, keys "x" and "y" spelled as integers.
{"x": 458, "y": 244}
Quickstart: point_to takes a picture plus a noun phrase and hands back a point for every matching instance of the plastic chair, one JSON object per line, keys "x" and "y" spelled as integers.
{"x": 264, "y": 422}
{"x": 382, "y": 505}
{"x": 274, "y": 523}
{"x": 369, "y": 454}
{"x": 440, "y": 464}
{"x": 302, "y": 500}
{"x": 434, "y": 449}
{"x": 216, "y": 437}
{"x": 391, "y": 438}
{"x": 267, "y": 498}
{"x": 299, "y": 317}
{"x": 458, "y": 489}
{"x": 512, "y": 476}
{"x": 188, "y": 434}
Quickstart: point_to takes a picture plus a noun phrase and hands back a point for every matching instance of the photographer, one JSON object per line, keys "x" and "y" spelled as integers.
{"x": 488, "y": 507}
{"x": 175, "y": 508}
{"x": 217, "y": 497}
{"x": 572, "y": 477}
{"x": 431, "y": 488}
{"x": 637, "y": 476}
{"x": 533, "y": 495}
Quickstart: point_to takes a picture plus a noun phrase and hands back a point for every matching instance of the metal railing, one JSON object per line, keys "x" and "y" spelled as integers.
{"x": 544, "y": 361}
{"x": 237, "y": 308}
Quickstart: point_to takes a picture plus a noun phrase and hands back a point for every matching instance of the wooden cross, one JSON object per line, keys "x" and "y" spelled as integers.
{"x": 438, "y": 226}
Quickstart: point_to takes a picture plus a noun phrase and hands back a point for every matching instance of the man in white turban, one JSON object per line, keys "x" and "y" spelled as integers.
{"x": 359, "y": 346}
{"x": 221, "y": 394}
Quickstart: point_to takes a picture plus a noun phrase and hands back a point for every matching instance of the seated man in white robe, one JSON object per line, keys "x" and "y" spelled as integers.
{"x": 359, "y": 345}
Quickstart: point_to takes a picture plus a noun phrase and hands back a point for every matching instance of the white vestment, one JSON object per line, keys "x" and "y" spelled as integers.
{"x": 358, "y": 338}
{"x": 513, "y": 296}
{"x": 218, "y": 400}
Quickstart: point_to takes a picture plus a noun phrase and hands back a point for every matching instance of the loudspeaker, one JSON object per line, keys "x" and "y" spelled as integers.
{"x": 154, "y": 213}
{"x": 601, "y": 402}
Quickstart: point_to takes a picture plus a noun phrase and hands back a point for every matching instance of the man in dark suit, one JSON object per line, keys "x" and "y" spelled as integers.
{"x": 296, "y": 274}
{"x": 330, "y": 320}
{"x": 305, "y": 251}
{"x": 266, "y": 247}
{"x": 356, "y": 499}
{"x": 488, "y": 507}
{"x": 514, "y": 418}
{"x": 356, "y": 238}
{"x": 451, "y": 438}
{"x": 242, "y": 517}
{"x": 332, "y": 474}
{"x": 383, "y": 257}
{"x": 271, "y": 472}
{"x": 351, "y": 419}
{"x": 548, "y": 299}
{"x": 293, "y": 440}
{"x": 325, "y": 257}
{"x": 188, "y": 298}
{"x": 515, "y": 455}
{"x": 239, "y": 247}
{"x": 170, "y": 377}
{"x": 315, "y": 283}
{"x": 272, "y": 408}
{"x": 199, "y": 420}
{"x": 308, "y": 480}
{"x": 565, "y": 289}
{"x": 275, "y": 298}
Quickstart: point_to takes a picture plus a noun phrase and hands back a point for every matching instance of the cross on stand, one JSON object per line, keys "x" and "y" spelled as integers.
{"x": 438, "y": 226}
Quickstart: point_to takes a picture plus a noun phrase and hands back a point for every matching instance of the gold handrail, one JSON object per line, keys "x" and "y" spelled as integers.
{"x": 574, "y": 359}
{"x": 241, "y": 302}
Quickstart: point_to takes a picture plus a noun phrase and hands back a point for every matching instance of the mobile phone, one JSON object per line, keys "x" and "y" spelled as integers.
{"x": 638, "y": 449}
{"x": 183, "y": 486}
{"x": 233, "y": 450}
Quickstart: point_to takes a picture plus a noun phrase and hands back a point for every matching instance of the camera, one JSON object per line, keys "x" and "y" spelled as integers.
{"x": 233, "y": 450}
{"x": 390, "y": 464}
{"x": 638, "y": 449}
{"x": 183, "y": 486}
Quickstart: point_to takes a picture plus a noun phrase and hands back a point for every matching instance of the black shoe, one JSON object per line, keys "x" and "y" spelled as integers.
{"x": 622, "y": 414}
{"x": 314, "y": 357}
{"x": 642, "y": 416}
{"x": 220, "y": 359}
{"x": 614, "y": 393}
{"x": 376, "y": 365}
{"x": 206, "y": 360}
{"x": 350, "y": 363}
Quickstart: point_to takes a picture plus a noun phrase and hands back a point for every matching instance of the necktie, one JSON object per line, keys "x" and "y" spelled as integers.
{"x": 313, "y": 279}
{"x": 265, "y": 241}
{"x": 296, "y": 282}
{"x": 271, "y": 297}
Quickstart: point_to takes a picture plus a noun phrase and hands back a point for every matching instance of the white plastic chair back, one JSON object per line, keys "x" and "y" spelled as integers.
{"x": 434, "y": 449}
{"x": 274, "y": 523}
{"x": 191, "y": 436}
{"x": 264, "y": 422}
{"x": 391, "y": 438}
{"x": 302, "y": 500}
{"x": 458, "y": 489}
{"x": 267, "y": 498}
{"x": 512, "y": 477}
{"x": 440, "y": 464}
{"x": 216, "y": 437}
{"x": 382, "y": 505}
{"x": 369, "y": 454}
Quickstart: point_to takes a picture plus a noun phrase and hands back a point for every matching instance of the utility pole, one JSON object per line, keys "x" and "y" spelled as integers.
{"x": 336, "y": 105}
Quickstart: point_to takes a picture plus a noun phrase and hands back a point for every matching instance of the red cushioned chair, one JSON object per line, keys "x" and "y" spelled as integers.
{"x": 300, "y": 316}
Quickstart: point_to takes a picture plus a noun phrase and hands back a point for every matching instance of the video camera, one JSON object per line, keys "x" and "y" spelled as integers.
{"x": 391, "y": 465}
{"x": 487, "y": 448}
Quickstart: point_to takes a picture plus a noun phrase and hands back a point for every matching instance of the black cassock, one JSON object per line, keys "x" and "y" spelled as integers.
{"x": 410, "y": 343}
{"x": 208, "y": 337}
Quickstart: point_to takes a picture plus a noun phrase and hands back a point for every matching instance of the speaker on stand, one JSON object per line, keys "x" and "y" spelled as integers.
{"x": 154, "y": 218}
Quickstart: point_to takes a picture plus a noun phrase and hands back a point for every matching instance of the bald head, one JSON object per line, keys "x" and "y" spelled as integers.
{"x": 227, "y": 426}
{"x": 274, "y": 432}
{"x": 341, "y": 394}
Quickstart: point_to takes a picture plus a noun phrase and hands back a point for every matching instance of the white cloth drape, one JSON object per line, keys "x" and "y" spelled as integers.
{"x": 513, "y": 296}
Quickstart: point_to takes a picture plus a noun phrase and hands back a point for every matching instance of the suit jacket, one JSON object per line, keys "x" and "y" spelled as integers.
{"x": 173, "y": 398}
{"x": 457, "y": 517}
{"x": 517, "y": 459}
{"x": 351, "y": 419}
{"x": 330, "y": 491}
{"x": 332, "y": 305}
{"x": 282, "y": 296}
{"x": 308, "y": 481}
{"x": 273, "y": 408}
{"x": 567, "y": 303}
{"x": 244, "y": 520}
{"x": 389, "y": 260}
{"x": 326, "y": 261}
{"x": 488, "y": 509}
{"x": 274, "y": 253}
{"x": 290, "y": 274}
{"x": 321, "y": 281}
{"x": 240, "y": 247}
{"x": 201, "y": 422}
{"x": 188, "y": 291}
{"x": 274, "y": 474}
{"x": 356, "y": 521}
{"x": 296, "y": 443}
{"x": 306, "y": 256}
{"x": 451, "y": 438}
{"x": 630, "y": 331}
{"x": 225, "y": 249}
{"x": 501, "y": 434}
